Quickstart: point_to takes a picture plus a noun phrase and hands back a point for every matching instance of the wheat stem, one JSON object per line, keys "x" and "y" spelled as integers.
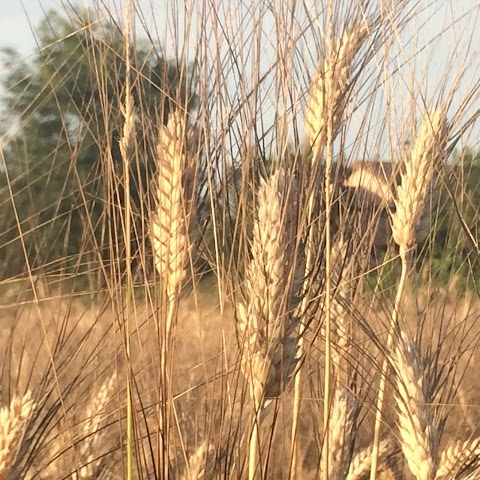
{"x": 169, "y": 239}
{"x": 125, "y": 151}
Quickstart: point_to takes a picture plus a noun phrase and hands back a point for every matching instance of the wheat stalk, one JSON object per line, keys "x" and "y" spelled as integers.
{"x": 126, "y": 144}
{"x": 169, "y": 239}
{"x": 322, "y": 123}
{"x": 339, "y": 61}
{"x": 415, "y": 419}
{"x": 13, "y": 420}
{"x": 416, "y": 180}
{"x": 459, "y": 460}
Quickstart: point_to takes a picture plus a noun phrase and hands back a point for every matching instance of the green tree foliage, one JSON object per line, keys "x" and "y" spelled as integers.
{"x": 63, "y": 171}
{"x": 457, "y": 235}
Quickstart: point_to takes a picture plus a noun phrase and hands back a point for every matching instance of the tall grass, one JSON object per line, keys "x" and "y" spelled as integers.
{"x": 269, "y": 308}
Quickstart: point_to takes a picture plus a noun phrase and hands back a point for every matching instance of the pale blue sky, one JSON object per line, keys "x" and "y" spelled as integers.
{"x": 15, "y": 30}
{"x": 18, "y": 16}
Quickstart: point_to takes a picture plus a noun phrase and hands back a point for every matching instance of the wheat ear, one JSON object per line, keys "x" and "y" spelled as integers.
{"x": 340, "y": 62}
{"x": 92, "y": 441}
{"x": 264, "y": 323}
{"x": 362, "y": 461}
{"x": 460, "y": 460}
{"x": 429, "y": 150}
{"x": 169, "y": 230}
{"x": 342, "y": 265}
{"x": 13, "y": 420}
{"x": 415, "y": 419}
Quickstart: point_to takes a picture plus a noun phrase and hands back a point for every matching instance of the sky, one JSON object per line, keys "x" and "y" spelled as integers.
{"x": 15, "y": 30}
{"x": 18, "y": 17}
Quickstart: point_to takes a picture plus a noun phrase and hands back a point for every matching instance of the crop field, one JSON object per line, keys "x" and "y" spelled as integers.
{"x": 240, "y": 240}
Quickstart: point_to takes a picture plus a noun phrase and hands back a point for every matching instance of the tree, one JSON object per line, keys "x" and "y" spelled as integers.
{"x": 62, "y": 163}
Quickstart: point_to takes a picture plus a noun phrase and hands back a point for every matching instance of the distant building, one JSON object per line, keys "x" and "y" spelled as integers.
{"x": 371, "y": 191}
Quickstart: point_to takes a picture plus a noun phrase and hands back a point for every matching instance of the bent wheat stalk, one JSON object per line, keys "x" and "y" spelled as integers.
{"x": 429, "y": 149}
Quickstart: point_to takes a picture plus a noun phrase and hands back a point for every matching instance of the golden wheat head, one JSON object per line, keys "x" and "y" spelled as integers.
{"x": 13, "y": 420}
{"x": 263, "y": 321}
{"x": 416, "y": 180}
{"x": 168, "y": 228}
{"x": 415, "y": 420}
{"x": 197, "y": 462}
{"x": 460, "y": 460}
{"x": 362, "y": 461}
{"x": 340, "y": 429}
{"x": 322, "y": 94}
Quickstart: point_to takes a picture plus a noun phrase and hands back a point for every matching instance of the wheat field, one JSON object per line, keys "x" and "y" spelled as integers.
{"x": 292, "y": 290}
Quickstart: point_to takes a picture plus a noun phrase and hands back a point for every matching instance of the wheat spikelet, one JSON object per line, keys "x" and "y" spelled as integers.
{"x": 416, "y": 179}
{"x": 263, "y": 322}
{"x": 339, "y": 432}
{"x": 13, "y": 420}
{"x": 197, "y": 461}
{"x": 460, "y": 460}
{"x": 362, "y": 461}
{"x": 415, "y": 421}
{"x": 168, "y": 229}
{"x": 340, "y": 61}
